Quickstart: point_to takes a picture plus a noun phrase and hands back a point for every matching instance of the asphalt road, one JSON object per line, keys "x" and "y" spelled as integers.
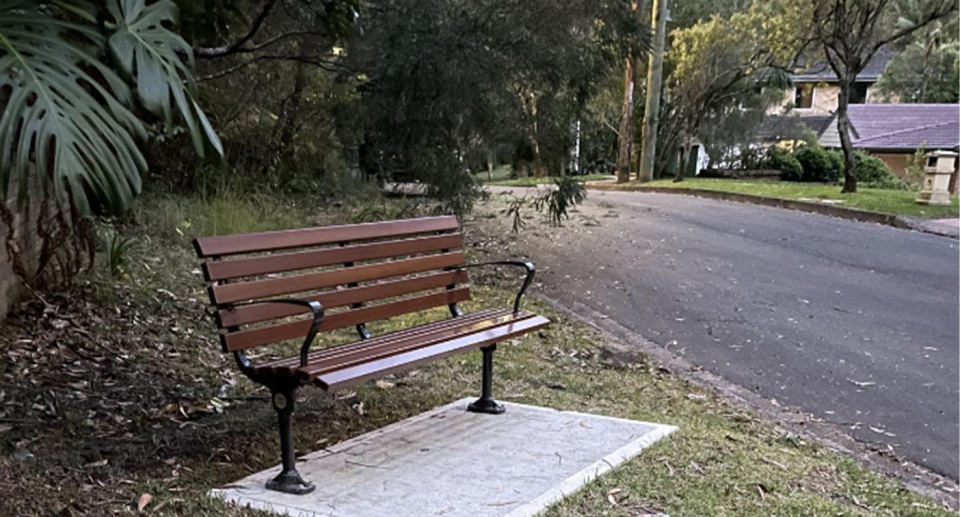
{"x": 855, "y": 323}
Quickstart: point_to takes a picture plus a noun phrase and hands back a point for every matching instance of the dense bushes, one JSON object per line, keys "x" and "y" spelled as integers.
{"x": 819, "y": 164}
{"x": 813, "y": 163}
{"x": 785, "y": 162}
{"x": 873, "y": 173}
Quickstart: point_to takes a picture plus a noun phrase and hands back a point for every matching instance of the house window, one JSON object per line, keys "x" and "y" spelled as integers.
{"x": 859, "y": 93}
{"x": 803, "y": 96}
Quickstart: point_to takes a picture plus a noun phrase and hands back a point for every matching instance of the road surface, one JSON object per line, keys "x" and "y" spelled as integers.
{"x": 854, "y": 323}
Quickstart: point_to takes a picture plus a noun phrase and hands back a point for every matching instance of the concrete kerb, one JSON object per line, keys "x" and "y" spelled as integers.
{"x": 867, "y": 216}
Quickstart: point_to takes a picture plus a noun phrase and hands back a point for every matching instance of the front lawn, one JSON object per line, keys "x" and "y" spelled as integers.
{"x": 899, "y": 202}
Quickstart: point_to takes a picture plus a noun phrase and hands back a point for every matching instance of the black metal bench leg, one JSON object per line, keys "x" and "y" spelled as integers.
{"x": 289, "y": 480}
{"x": 486, "y": 403}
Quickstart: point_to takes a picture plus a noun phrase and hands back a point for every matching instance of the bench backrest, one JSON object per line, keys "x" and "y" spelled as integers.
{"x": 358, "y": 272}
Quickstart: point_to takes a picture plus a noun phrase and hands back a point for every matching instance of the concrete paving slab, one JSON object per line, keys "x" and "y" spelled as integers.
{"x": 456, "y": 464}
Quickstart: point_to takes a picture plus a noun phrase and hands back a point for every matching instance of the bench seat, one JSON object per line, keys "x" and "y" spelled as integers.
{"x": 345, "y": 365}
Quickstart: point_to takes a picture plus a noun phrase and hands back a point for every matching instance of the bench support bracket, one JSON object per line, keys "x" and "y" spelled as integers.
{"x": 289, "y": 480}
{"x": 486, "y": 403}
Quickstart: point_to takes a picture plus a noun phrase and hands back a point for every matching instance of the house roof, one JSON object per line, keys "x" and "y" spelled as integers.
{"x": 820, "y": 71}
{"x": 905, "y": 126}
{"x": 790, "y": 127}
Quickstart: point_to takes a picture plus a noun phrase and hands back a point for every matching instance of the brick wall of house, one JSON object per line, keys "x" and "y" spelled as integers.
{"x": 825, "y": 99}
{"x": 896, "y": 161}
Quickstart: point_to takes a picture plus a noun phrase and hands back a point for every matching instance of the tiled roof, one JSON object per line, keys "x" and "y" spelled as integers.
{"x": 905, "y": 126}
{"x": 790, "y": 127}
{"x": 820, "y": 71}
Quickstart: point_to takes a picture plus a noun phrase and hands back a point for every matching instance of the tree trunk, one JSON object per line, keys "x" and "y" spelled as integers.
{"x": 489, "y": 165}
{"x": 925, "y": 68}
{"x": 290, "y": 112}
{"x": 843, "y": 127}
{"x": 684, "y": 159}
{"x": 651, "y": 111}
{"x": 575, "y": 161}
{"x": 625, "y": 150}
{"x": 529, "y": 102}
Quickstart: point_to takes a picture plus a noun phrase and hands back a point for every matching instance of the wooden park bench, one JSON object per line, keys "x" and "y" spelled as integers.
{"x": 276, "y": 286}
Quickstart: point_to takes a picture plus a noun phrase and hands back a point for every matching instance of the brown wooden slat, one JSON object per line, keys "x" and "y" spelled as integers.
{"x": 424, "y": 334}
{"x": 246, "y": 339}
{"x": 254, "y": 266}
{"x": 347, "y": 359}
{"x": 396, "y": 363}
{"x": 230, "y": 293}
{"x": 289, "y": 364}
{"x": 286, "y": 239}
{"x": 255, "y": 313}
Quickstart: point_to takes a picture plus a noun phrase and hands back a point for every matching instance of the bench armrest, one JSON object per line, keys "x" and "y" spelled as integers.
{"x": 314, "y": 306}
{"x": 531, "y": 271}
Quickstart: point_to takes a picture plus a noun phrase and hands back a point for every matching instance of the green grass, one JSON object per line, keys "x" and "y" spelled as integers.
{"x": 724, "y": 460}
{"x": 532, "y": 182}
{"x": 500, "y": 173}
{"x": 899, "y": 202}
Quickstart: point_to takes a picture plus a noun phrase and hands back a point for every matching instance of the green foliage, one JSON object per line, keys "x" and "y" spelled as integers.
{"x": 924, "y": 71}
{"x": 119, "y": 259}
{"x": 456, "y": 192}
{"x": 819, "y": 164}
{"x": 568, "y": 193}
{"x": 159, "y": 63}
{"x": 180, "y": 219}
{"x": 873, "y": 173}
{"x": 386, "y": 210}
{"x": 445, "y": 79}
{"x": 724, "y": 76}
{"x": 73, "y": 118}
{"x": 785, "y": 162}
{"x": 915, "y": 164}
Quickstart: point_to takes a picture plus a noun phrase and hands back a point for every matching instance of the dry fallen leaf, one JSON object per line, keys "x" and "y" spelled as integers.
{"x": 384, "y": 385}
{"x": 144, "y": 500}
{"x": 762, "y": 490}
{"x": 612, "y": 496}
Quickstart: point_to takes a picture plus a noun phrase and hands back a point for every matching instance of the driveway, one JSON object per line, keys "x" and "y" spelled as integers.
{"x": 854, "y": 323}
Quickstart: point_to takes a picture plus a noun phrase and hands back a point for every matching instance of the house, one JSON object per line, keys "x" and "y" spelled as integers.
{"x": 894, "y": 132}
{"x": 779, "y": 128}
{"x": 816, "y": 89}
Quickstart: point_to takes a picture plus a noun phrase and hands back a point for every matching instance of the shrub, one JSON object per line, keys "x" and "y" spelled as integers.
{"x": 873, "y": 173}
{"x": 785, "y": 162}
{"x": 818, "y": 164}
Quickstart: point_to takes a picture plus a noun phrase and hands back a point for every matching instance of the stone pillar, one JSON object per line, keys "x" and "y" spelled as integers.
{"x": 940, "y": 166}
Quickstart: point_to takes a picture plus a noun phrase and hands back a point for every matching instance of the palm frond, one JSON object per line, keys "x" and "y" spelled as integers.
{"x": 159, "y": 61}
{"x": 65, "y": 117}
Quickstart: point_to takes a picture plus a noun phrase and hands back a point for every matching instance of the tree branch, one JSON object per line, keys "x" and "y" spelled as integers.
{"x": 328, "y": 65}
{"x": 945, "y": 9}
{"x": 236, "y": 46}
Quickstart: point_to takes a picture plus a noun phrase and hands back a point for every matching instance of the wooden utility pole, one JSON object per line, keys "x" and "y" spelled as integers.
{"x": 651, "y": 113}
{"x": 625, "y": 147}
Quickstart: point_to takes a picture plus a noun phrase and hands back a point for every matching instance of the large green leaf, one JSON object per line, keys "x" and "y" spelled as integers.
{"x": 159, "y": 61}
{"x": 64, "y": 116}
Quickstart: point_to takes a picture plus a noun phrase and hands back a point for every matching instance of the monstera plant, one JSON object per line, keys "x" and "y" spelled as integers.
{"x": 82, "y": 87}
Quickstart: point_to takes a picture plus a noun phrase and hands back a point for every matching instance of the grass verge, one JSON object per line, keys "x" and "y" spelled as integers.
{"x": 898, "y": 202}
{"x": 118, "y": 389}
